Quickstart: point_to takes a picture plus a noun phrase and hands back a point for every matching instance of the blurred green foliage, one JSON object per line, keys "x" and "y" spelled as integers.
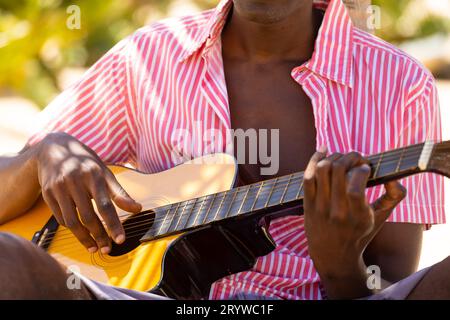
{"x": 403, "y": 20}
{"x": 36, "y": 45}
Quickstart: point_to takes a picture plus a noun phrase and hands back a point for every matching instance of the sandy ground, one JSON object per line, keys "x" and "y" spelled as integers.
{"x": 17, "y": 116}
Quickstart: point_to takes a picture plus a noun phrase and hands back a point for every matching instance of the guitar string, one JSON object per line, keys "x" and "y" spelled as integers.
{"x": 73, "y": 245}
{"x": 224, "y": 195}
{"x": 281, "y": 179}
{"x": 140, "y": 223}
{"x": 146, "y": 223}
{"x": 371, "y": 159}
{"x": 137, "y": 225}
{"x": 74, "y": 242}
{"x": 191, "y": 204}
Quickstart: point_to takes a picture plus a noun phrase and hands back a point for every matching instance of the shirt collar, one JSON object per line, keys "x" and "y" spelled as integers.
{"x": 210, "y": 32}
{"x": 333, "y": 51}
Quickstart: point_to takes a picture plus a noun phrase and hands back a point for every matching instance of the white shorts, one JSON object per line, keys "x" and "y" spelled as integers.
{"x": 397, "y": 291}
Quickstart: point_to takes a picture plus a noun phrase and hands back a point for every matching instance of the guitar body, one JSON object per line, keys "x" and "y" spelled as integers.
{"x": 184, "y": 241}
{"x": 181, "y": 266}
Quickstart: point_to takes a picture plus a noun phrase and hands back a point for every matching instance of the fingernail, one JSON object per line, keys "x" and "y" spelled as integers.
{"x": 322, "y": 149}
{"x": 120, "y": 239}
{"x": 366, "y": 167}
{"x": 105, "y": 250}
{"x": 92, "y": 249}
{"x": 138, "y": 206}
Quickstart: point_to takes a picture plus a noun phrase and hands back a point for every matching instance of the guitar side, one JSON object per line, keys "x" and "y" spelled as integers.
{"x": 140, "y": 268}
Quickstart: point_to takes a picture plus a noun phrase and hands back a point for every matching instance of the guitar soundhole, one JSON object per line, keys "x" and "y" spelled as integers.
{"x": 135, "y": 227}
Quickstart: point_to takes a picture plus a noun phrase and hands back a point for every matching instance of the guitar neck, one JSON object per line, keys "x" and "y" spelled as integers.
{"x": 275, "y": 194}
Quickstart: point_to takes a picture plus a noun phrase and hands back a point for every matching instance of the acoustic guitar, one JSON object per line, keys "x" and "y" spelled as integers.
{"x": 196, "y": 228}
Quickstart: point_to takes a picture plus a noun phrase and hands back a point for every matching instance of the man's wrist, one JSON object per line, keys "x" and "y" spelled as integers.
{"x": 39, "y": 151}
{"x": 347, "y": 282}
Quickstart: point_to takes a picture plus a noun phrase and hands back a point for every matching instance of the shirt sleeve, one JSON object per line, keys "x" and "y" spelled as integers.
{"x": 424, "y": 203}
{"x": 96, "y": 110}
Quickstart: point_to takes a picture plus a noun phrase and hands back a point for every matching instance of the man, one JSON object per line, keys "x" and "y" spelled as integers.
{"x": 295, "y": 65}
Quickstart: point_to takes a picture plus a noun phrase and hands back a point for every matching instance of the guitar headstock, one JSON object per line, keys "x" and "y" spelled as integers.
{"x": 439, "y": 160}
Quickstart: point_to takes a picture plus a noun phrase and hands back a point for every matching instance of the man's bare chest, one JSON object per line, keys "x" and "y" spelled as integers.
{"x": 263, "y": 98}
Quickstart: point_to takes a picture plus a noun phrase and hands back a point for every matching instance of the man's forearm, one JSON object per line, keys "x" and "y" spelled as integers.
{"x": 19, "y": 187}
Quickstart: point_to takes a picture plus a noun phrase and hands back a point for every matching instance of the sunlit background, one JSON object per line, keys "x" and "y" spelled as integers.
{"x": 40, "y": 56}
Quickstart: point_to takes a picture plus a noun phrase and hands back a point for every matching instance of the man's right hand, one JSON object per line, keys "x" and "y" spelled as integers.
{"x": 71, "y": 175}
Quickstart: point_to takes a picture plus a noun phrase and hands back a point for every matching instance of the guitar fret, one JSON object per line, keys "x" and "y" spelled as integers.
{"x": 201, "y": 206}
{"x": 202, "y": 211}
{"x": 198, "y": 211}
{"x": 156, "y": 228}
{"x": 231, "y": 202}
{"x": 209, "y": 209}
{"x": 167, "y": 213}
{"x": 377, "y": 168}
{"x": 164, "y": 220}
{"x": 286, "y": 188}
{"x": 179, "y": 216}
{"x": 291, "y": 193}
{"x": 300, "y": 189}
{"x": 277, "y": 193}
{"x": 388, "y": 165}
{"x": 257, "y": 195}
{"x": 400, "y": 160}
{"x": 220, "y": 205}
{"x": 245, "y": 197}
{"x": 271, "y": 192}
{"x": 191, "y": 211}
{"x": 173, "y": 216}
{"x": 186, "y": 216}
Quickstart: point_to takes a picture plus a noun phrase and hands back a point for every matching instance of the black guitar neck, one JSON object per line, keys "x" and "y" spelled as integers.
{"x": 287, "y": 191}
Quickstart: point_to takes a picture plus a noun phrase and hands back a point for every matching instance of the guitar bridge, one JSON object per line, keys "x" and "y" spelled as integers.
{"x": 40, "y": 237}
{"x": 44, "y": 237}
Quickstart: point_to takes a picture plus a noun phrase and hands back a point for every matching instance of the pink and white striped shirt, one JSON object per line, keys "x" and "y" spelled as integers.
{"x": 367, "y": 96}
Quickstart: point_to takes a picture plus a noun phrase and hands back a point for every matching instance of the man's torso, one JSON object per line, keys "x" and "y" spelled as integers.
{"x": 259, "y": 102}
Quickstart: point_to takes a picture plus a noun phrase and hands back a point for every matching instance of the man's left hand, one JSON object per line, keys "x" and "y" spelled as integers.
{"x": 340, "y": 222}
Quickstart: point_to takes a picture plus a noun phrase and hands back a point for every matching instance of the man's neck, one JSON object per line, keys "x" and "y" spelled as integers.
{"x": 291, "y": 39}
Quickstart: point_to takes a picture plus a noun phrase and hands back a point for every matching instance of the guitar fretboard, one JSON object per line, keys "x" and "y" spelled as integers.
{"x": 270, "y": 194}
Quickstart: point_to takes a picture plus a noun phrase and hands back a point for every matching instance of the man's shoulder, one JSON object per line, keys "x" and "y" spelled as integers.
{"x": 395, "y": 60}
